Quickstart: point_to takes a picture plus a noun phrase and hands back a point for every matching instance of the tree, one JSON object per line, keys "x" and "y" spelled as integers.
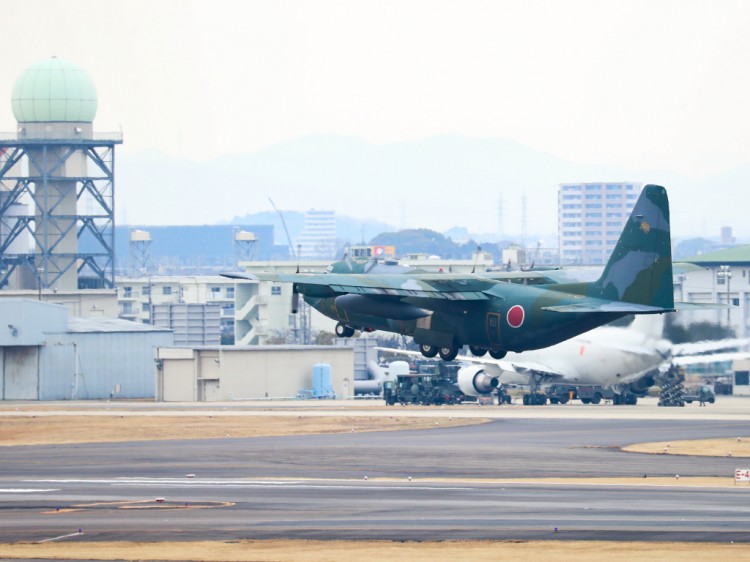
{"x": 323, "y": 338}
{"x": 425, "y": 241}
{"x": 693, "y": 247}
{"x": 278, "y": 337}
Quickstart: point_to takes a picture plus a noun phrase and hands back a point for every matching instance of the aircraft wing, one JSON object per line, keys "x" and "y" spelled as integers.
{"x": 524, "y": 368}
{"x": 543, "y": 373}
{"x": 428, "y": 285}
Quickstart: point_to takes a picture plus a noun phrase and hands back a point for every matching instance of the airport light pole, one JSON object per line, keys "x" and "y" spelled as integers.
{"x": 725, "y": 272}
{"x": 39, "y": 272}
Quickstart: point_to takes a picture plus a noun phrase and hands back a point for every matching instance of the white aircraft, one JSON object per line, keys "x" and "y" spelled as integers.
{"x": 617, "y": 358}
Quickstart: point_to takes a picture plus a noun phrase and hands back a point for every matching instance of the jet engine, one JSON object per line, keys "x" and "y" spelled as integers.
{"x": 642, "y": 384}
{"x": 475, "y": 381}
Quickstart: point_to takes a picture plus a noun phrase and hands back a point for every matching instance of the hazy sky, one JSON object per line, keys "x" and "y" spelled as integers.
{"x": 631, "y": 83}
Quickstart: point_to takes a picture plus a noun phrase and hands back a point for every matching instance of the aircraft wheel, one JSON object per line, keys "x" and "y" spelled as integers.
{"x": 526, "y": 400}
{"x": 632, "y": 400}
{"x": 344, "y": 331}
{"x": 617, "y": 399}
{"x": 448, "y": 353}
{"x": 540, "y": 399}
{"x": 497, "y": 353}
{"x": 477, "y": 351}
{"x": 428, "y": 350}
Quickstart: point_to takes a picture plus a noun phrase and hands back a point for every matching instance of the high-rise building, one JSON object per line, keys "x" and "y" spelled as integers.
{"x": 590, "y": 219}
{"x": 318, "y": 238}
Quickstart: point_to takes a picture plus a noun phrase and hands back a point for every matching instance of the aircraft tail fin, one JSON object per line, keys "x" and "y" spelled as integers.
{"x": 639, "y": 271}
{"x": 650, "y": 325}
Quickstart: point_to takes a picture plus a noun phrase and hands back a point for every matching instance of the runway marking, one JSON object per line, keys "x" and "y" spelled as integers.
{"x": 26, "y": 490}
{"x": 143, "y": 504}
{"x": 60, "y": 537}
{"x": 197, "y": 483}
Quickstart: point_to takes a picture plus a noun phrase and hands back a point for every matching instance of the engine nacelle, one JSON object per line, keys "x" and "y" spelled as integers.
{"x": 475, "y": 381}
{"x": 373, "y": 306}
{"x": 642, "y": 384}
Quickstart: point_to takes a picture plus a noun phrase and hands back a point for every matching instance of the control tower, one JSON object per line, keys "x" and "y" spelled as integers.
{"x": 56, "y": 184}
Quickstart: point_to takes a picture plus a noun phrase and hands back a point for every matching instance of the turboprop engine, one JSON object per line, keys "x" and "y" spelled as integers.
{"x": 475, "y": 381}
{"x": 362, "y": 304}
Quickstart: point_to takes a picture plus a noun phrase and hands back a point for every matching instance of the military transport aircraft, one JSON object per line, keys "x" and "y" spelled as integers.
{"x": 444, "y": 311}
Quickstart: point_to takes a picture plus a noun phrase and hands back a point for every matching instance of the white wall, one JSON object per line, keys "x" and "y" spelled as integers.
{"x": 245, "y": 373}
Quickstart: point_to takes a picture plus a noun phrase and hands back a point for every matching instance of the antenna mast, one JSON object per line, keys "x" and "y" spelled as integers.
{"x": 283, "y": 223}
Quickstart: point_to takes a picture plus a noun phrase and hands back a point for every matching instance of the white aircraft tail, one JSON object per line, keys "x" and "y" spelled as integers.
{"x": 650, "y": 325}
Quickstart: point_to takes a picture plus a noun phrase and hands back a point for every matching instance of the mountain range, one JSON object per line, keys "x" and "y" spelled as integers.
{"x": 495, "y": 188}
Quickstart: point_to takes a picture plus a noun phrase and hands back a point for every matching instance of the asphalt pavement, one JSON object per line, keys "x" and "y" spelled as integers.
{"x": 436, "y": 484}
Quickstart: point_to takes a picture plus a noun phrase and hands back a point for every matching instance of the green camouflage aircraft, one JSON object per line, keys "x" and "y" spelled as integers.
{"x": 490, "y": 312}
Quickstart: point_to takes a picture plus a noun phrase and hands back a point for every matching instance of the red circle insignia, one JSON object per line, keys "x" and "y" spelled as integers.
{"x": 515, "y": 316}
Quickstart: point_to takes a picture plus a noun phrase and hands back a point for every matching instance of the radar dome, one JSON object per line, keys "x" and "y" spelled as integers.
{"x": 54, "y": 90}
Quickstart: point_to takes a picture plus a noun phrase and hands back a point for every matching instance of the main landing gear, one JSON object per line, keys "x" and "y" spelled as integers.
{"x": 447, "y": 353}
{"x": 480, "y": 352}
{"x": 428, "y": 351}
{"x": 344, "y": 331}
{"x": 534, "y": 399}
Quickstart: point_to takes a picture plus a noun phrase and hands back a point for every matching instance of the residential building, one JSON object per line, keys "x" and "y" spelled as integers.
{"x": 138, "y": 295}
{"x": 591, "y": 217}
{"x": 318, "y": 238}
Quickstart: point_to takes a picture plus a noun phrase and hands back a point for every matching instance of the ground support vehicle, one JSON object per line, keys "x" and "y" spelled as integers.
{"x": 589, "y": 394}
{"x": 695, "y": 394}
{"x": 502, "y": 395}
{"x": 420, "y": 388}
{"x": 672, "y": 388}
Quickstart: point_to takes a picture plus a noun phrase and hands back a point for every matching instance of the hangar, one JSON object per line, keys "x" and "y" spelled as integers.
{"x": 48, "y": 356}
{"x": 225, "y": 373}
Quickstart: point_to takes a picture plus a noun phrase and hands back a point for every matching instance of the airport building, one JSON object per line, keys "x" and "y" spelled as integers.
{"x": 192, "y": 249}
{"x": 48, "y": 355}
{"x": 591, "y": 217}
{"x": 229, "y": 373}
{"x": 200, "y": 309}
{"x": 724, "y": 277}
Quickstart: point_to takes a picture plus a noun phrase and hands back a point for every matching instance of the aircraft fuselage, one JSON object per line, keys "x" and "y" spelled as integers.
{"x": 513, "y": 323}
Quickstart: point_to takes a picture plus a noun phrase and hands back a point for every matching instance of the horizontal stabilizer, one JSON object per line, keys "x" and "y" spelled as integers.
{"x": 598, "y": 306}
{"x": 243, "y": 276}
{"x": 700, "y": 305}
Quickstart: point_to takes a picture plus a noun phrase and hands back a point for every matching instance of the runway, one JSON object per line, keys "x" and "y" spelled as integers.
{"x": 315, "y": 487}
